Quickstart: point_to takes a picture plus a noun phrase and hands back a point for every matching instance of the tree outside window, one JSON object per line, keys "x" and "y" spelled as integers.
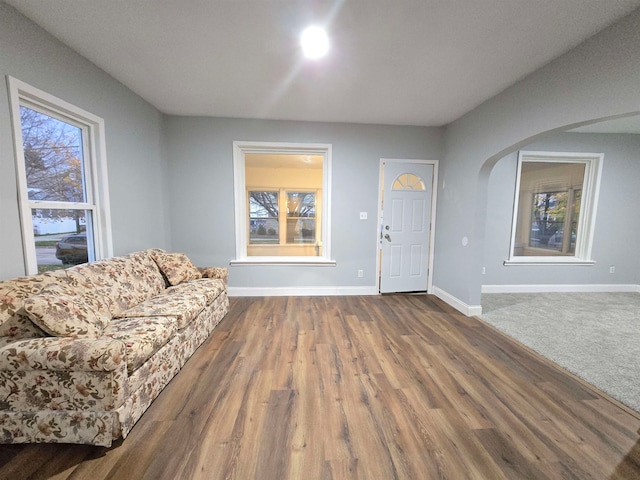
{"x": 292, "y": 222}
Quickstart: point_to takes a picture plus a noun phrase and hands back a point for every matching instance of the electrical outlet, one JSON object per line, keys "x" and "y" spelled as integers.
{"x": 363, "y": 215}
{"x": 360, "y": 273}
{"x": 484, "y": 270}
{"x": 612, "y": 269}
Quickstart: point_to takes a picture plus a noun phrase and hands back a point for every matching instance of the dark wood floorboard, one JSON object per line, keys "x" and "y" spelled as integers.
{"x": 380, "y": 387}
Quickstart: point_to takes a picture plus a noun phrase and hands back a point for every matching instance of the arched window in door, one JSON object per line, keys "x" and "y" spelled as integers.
{"x": 408, "y": 181}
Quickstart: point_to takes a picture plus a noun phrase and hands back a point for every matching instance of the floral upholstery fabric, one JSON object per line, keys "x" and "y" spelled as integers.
{"x": 93, "y": 390}
{"x": 14, "y": 321}
{"x": 176, "y": 267}
{"x": 184, "y": 307}
{"x": 57, "y": 390}
{"x": 142, "y": 336}
{"x": 63, "y": 353}
{"x": 77, "y": 283}
{"x": 211, "y": 288}
{"x": 161, "y": 367}
{"x": 121, "y": 281}
{"x": 62, "y": 373}
{"x": 20, "y": 326}
{"x": 61, "y": 314}
{"x": 215, "y": 272}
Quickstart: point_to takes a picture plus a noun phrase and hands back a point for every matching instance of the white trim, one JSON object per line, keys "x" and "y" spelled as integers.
{"x": 468, "y": 310}
{"x": 594, "y": 288}
{"x": 315, "y": 261}
{"x": 526, "y": 261}
{"x": 299, "y": 291}
{"x": 26, "y": 221}
{"x": 432, "y": 220}
{"x": 240, "y": 148}
{"x": 95, "y": 152}
{"x": 586, "y": 224}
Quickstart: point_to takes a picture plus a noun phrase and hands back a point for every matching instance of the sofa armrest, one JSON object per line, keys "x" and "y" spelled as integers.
{"x": 64, "y": 354}
{"x": 215, "y": 272}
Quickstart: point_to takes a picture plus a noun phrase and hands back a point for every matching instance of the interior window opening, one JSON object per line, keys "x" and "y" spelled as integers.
{"x": 284, "y": 204}
{"x": 554, "y": 214}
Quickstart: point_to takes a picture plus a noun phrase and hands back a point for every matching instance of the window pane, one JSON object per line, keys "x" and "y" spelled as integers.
{"x": 408, "y": 181}
{"x": 301, "y": 230}
{"x": 549, "y": 208}
{"x": 263, "y": 204}
{"x": 263, "y": 217}
{"x": 301, "y": 212}
{"x": 53, "y": 158}
{"x": 62, "y": 238}
{"x": 548, "y": 217}
{"x": 301, "y": 204}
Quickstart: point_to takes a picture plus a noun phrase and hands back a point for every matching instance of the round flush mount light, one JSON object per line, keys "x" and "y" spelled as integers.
{"x": 315, "y": 43}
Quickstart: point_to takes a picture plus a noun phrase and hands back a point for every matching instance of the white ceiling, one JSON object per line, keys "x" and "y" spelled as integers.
{"x": 406, "y": 62}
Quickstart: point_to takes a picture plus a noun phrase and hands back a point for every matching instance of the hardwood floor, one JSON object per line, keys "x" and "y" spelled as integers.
{"x": 357, "y": 387}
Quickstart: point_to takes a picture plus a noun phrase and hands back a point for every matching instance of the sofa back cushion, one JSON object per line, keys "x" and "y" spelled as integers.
{"x": 176, "y": 267}
{"x": 14, "y": 321}
{"x": 118, "y": 283}
{"x": 108, "y": 287}
{"x": 60, "y": 311}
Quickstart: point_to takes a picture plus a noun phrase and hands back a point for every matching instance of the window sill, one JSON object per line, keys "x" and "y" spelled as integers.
{"x": 524, "y": 261}
{"x": 304, "y": 261}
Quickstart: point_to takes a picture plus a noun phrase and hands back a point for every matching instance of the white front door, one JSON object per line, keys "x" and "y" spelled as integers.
{"x": 405, "y": 226}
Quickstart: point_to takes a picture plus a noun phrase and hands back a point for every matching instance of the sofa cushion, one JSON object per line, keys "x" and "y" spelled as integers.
{"x": 176, "y": 267}
{"x": 209, "y": 287}
{"x": 215, "y": 272}
{"x": 142, "y": 336}
{"x": 119, "y": 282}
{"x": 62, "y": 314}
{"x": 20, "y": 326}
{"x": 14, "y": 321}
{"x": 182, "y": 306}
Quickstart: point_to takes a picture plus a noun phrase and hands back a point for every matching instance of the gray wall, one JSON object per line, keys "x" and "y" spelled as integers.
{"x": 597, "y": 79}
{"x": 135, "y": 153}
{"x": 191, "y": 176}
{"x": 202, "y": 200}
{"x": 617, "y": 221}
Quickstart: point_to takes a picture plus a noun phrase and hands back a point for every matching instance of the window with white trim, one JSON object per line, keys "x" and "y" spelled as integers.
{"x": 61, "y": 169}
{"x": 555, "y": 207}
{"x": 282, "y": 202}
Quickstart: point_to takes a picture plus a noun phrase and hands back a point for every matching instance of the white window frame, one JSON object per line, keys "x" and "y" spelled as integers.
{"x": 589, "y": 201}
{"x": 240, "y": 149}
{"x": 95, "y": 157}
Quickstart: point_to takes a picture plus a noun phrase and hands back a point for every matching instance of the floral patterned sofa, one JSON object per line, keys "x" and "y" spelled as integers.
{"x": 84, "y": 351}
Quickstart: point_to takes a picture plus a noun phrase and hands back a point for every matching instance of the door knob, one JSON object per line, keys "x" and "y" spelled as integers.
{"x": 388, "y": 237}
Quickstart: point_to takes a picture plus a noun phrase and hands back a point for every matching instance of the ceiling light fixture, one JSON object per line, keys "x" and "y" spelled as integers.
{"x": 315, "y": 43}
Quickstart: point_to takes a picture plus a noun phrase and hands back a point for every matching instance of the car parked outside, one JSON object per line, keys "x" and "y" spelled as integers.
{"x": 72, "y": 249}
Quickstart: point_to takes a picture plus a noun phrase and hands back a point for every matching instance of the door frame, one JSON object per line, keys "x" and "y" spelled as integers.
{"x": 432, "y": 219}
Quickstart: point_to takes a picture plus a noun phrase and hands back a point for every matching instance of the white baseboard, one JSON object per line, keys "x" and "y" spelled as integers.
{"x": 468, "y": 310}
{"x": 560, "y": 288}
{"x": 299, "y": 291}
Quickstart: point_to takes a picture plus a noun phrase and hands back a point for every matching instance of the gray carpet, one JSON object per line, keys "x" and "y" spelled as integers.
{"x": 593, "y": 335}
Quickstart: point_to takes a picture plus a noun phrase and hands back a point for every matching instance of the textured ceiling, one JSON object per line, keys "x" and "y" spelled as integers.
{"x": 406, "y": 62}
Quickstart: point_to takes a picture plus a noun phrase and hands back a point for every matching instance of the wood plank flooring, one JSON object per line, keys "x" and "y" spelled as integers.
{"x": 380, "y": 387}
